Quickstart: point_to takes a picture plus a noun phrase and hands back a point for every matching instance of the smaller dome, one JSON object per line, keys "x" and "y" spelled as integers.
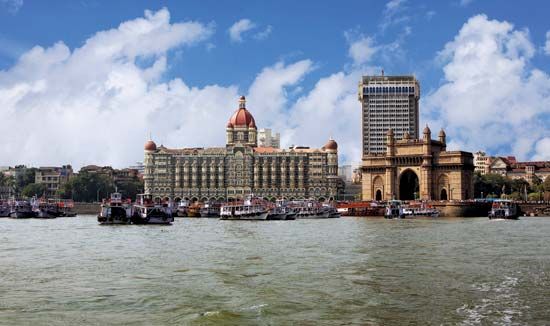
{"x": 229, "y": 124}
{"x": 150, "y": 146}
{"x": 252, "y": 124}
{"x": 389, "y": 132}
{"x": 242, "y": 98}
{"x": 406, "y": 135}
{"x": 427, "y": 130}
{"x": 331, "y": 145}
{"x": 442, "y": 133}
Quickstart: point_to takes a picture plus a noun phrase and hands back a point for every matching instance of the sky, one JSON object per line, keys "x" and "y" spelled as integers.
{"x": 88, "y": 82}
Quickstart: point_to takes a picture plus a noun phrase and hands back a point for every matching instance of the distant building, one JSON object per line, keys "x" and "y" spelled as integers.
{"x": 139, "y": 167}
{"x": 115, "y": 175}
{"x": 267, "y": 139}
{"x": 388, "y": 102}
{"x": 241, "y": 168}
{"x": 509, "y": 167}
{"x": 53, "y": 177}
{"x": 345, "y": 172}
{"x": 481, "y": 162}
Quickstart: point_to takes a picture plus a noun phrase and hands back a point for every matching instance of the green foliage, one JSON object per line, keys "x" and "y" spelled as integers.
{"x": 129, "y": 189}
{"x": 490, "y": 184}
{"x": 535, "y": 196}
{"x": 25, "y": 178}
{"x": 33, "y": 189}
{"x": 87, "y": 187}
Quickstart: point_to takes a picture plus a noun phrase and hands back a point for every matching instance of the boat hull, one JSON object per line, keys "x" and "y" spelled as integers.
{"x": 243, "y": 217}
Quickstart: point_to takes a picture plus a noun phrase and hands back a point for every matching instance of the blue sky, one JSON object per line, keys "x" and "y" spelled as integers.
{"x": 304, "y": 45}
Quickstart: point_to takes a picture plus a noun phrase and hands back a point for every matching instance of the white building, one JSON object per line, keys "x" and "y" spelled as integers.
{"x": 267, "y": 139}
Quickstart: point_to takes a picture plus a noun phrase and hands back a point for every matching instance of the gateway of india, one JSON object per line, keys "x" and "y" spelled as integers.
{"x": 241, "y": 168}
{"x": 397, "y": 163}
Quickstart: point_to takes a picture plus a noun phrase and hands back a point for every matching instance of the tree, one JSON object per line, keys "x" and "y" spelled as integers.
{"x": 34, "y": 189}
{"x": 26, "y": 177}
{"x": 87, "y": 187}
{"x": 129, "y": 189}
{"x": 490, "y": 184}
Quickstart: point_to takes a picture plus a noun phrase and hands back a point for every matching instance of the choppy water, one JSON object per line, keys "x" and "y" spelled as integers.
{"x": 348, "y": 271}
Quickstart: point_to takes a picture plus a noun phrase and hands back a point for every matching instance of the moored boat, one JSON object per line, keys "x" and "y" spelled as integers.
{"x": 44, "y": 209}
{"x": 183, "y": 207}
{"x": 21, "y": 209}
{"x": 210, "y": 209}
{"x": 146, "y": 211}
{"x": 310, "y": 209}
{"x": 251, "y": 209}
{"x": 504, "y": 209}
{"x": 419, "y": 210}
{"x": 394, "y": 209}
{"x": 4, "y": 209}
{"x": 115, "y": 211}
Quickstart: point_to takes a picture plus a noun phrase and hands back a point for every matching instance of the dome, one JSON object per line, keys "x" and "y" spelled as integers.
{"x": 331, "y": 145}
{"x": 241, "y": 117}
{"x": 150, "y": 146}
{"x": 442, "y": 133}
{"x": 427, "y": 130}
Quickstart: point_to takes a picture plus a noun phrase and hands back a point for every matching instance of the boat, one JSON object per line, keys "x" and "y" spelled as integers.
{"x": 65, "y": 207}
{"x": 310, "y": 209}
{"x": 419, "y": 210}
{"x": 115, "y": 211}
{"x": 194, "y": 210}
{"x": 394, "y": 209}
{"x": 183, "y": 207}
{"x": 4, "y": 208}
{"x": 146, "y": 211}
{"x": 44, "y": 209}
{"x": 331, "y": 211}
{"x": 251, "y": 209}
{"x": 210, "y": 209}
{"x": 504, "y": 209}
{"x": 21, "y": 209}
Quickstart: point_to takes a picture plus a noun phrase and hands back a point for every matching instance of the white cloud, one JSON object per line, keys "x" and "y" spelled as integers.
{"x": 394, "y": 14}
{"x": 547, "y": 44}
{"x": 362, "y": 50}
{"x": 262, "y": 35}
{"x": 542, "y": 150}
{"x": 95, "y": 104}
{"x": 236, "y": 30}
{"x": 491, "y": 98}
{"x": 12, "y": 6}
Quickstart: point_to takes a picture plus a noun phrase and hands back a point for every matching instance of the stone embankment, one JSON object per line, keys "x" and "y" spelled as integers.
{"x": 86, "y": 208}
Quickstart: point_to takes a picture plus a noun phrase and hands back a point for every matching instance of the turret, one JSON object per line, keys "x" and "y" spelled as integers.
{"x": 390, "y": 142}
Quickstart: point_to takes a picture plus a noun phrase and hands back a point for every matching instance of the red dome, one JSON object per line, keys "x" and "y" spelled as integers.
{"x": 331, "y": 145}
{"x": 241, "y": 117}
{"x": 150, "y": 146}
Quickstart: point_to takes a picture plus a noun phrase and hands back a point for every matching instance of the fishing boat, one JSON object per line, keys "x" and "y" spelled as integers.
{"x": 310, "y": 209}
{"x": 21, "y": 209}
{"x": 146, "y": 211}
{"x": 419, "y": 210}
{"x": 44, "y": 209}
{"x": 65, "y": 207}
{"x": 251, "y": 209}
{"x": 4, "y": 208}
{"x": 210, "y": 209}
{"x": 394, "y": 209}
{"x": 504, "y": 209}
{"x": 331, "y": 211}
{"x": 115, "y": 211}
{"x": 183, "y": 207}
{"x": 194, "y": 210}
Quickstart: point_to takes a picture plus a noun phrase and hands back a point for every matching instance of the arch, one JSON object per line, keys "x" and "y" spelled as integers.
{"x": 221, "y": 198}
{"x": 212, "y": 198}
{"x": 331, "y": 199}
{"x": 321, "y": 199}
{"x": 291, "y": 199}
{"x": 194, "y": 199}
{"x": 204, "y": 199}
{"x": 166, "y": 198}
{"x": 378, "y": 196}
{"x": 186, "y": 198}
{"x": 443, "y": 194}
{"x": 157, "y": 200}
{"x": 409, "y": 185}
{"x": 177, "y": 199}
{"x": 377, "y": 187}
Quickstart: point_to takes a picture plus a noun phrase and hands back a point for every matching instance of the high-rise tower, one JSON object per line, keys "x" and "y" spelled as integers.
{"x": 388, "y": 102}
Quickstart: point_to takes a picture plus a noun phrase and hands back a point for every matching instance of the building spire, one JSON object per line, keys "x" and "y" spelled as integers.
{"x": 242, "y": 102}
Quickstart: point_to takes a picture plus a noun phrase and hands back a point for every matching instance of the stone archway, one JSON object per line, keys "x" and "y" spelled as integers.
{"x": 409, "y": 185}
{"x": 378, "y": 195}
{"x": 443, "y": 194}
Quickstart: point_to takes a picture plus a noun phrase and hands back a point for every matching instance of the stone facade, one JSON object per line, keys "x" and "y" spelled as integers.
{"x": 418, "y": 169}
{"x": 241, "y": 168}
{"x": 54, "y": 177}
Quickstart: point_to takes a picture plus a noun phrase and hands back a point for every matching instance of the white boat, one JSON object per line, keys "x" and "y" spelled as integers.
{"x": 251, "y": 209}
{"x": 504, "y": 209}
{"x": 394, "y": 209}
{"x": 115, "y": 211}
{"x": 146, "y": 211}
{"x": 310, "y": 209}
{"x": 422, "y": 210}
